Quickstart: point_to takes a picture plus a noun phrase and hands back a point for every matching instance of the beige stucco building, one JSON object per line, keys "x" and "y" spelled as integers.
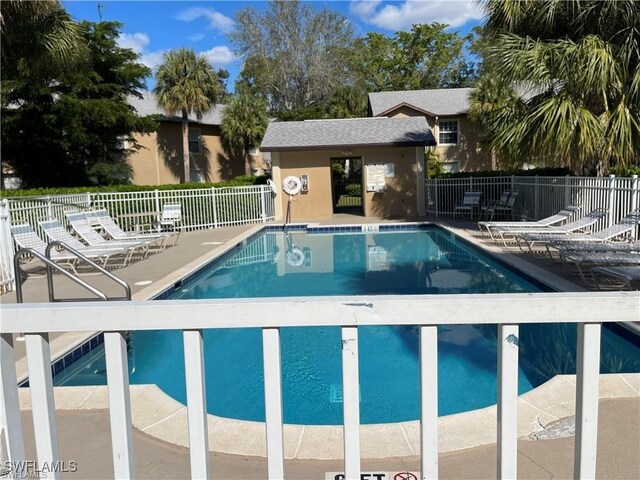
{"x": 458, "y": 142}
{"x": 159, "y": 160}
{"x": 389, "y": 153}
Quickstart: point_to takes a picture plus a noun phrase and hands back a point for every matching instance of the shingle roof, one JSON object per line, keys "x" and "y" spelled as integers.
{"x": 356, "y": 132}
{"x": 443, "y": 101}
{"x": 147, "y": 105}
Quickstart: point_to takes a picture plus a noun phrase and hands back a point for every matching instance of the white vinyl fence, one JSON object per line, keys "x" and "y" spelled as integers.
{"x": 271, "y": 315}
{"x": 540, "y": 197}
{"x": 201, "y": 208}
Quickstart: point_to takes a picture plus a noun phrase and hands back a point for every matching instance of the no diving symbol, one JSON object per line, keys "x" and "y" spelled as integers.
{"x": 404, "y": 476}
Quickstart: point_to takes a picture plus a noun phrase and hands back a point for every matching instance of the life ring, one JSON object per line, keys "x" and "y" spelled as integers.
{"x": 272, "y": 185}
{"x": 295, "y": 257}
{"x": 292, "y": 185}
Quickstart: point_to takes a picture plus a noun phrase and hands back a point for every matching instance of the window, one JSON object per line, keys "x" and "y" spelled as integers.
{"x": 122, "y": 142}
{"x": 448, "y": 132}
{"x": 450, "y": 167}
{"x": 196, "y": 176}
{"x": 194, "y": 140}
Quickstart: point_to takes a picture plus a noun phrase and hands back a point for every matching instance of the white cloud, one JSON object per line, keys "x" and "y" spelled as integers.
{"x": 403, "y": 15}
{"x": 217, "y": 20}
{"x": 196, "y": 37}
{"x": 135, "y": 41}
{"x": 152, "y": 59}
{"x": 219, "y": 56}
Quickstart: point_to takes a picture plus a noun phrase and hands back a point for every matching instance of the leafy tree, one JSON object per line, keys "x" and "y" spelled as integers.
{"x": 66, "y": 130}
{"x": 38, "y": 38}
{"x": 244, "y": 122}
{"x": 577, "y": 66}
{"x": 294, "y": 55}
{"x": 347, "y": 102}
{"x": 425, "y": 57}
{"x": 186, "y": 83}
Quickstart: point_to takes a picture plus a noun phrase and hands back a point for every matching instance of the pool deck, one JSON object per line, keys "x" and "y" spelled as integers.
{"x": 165, "y": 431}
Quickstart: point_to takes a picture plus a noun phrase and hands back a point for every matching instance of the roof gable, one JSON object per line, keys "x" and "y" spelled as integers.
{"x": 436, "y": 102}
{"x": 357, "y": 132}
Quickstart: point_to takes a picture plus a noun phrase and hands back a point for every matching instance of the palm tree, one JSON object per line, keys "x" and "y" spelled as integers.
{"x": 37, "y": 38}
{"x": 186, "y": 84}
{"x": 244, "y": 122}
{"x": 580, "y": 63}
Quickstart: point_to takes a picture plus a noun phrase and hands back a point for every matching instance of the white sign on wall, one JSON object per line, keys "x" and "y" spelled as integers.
{"x": 375, "y": 177}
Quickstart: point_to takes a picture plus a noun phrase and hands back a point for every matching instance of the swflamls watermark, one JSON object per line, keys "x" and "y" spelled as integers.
{"x": 35, "y": 469}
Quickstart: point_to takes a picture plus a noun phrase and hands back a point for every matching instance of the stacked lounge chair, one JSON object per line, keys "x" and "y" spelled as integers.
{"x": 81, "y": 225}
{"x": 616, "y": 277}
{"x": 513, "y": 234}
{"x": 552, "y": 241}
{"x": 54, "y": 231}
{"x": 560, "y": 217}
{"x": 109, "y": 225}
{"x": 25, "y": 236}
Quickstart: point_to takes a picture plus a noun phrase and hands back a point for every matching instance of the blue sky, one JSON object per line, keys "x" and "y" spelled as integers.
{"x": 153, "y": 27}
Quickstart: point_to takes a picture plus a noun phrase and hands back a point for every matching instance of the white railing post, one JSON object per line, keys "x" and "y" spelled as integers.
{"x": 215, "y": 207}
{"x": 351, "y": 403}
{"x": 115, "y": 346}
{"x": 536, "y": 197}
{"x": 507, "y": 401}
{"x": 196, "y": 403}
{"x": 49, "y": 207}
{"x": 612, "y": 200}
{"x": 634, "y": 199}
{"x": 429, "y": 402}
{"x": 263, "y": 211}
{"x": 587, "y": 383}
{"x": 8, "y": 274}
{"x": 273, "y": 402}
{"x": 437, "y": 197}
{"x": 156, "y": 202}
{"x": 10, "y": 419}
{"x": 42, "y": 401}
{"x": 567, "y": 191}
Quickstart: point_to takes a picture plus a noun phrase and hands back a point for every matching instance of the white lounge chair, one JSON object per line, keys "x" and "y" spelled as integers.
{"x": 560, "y": 217}
{"x": 81, "y": 225}
{"x": 552, "y": 241}
{"x": 578, "y": 263}
{"x": 102, "y": 217}
{"x": 582, "y": 224}
{"x": 54, "y": 231}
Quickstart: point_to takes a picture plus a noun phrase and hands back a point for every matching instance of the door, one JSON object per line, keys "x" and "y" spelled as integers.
{"x": 346, "y": 185}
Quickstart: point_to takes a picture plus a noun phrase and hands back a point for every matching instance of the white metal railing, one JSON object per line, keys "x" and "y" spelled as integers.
{"x": 539, "y": 197}
{"x": 201, "y": 208}
{"x": 587, "y": 310}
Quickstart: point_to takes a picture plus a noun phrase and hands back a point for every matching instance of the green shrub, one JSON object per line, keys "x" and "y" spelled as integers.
{"x": 353, "y": 190}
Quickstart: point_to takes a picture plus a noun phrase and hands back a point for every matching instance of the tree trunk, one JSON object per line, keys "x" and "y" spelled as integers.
{"x": 185, "y": 147}
{"x": 494, "y": 160}
{"x": 247, "y": 163}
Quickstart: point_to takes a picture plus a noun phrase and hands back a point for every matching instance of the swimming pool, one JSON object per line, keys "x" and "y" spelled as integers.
{"x": 328, "y": 262}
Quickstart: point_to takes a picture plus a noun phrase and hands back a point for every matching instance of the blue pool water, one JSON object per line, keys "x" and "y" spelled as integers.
{"x": 427, "y": 260}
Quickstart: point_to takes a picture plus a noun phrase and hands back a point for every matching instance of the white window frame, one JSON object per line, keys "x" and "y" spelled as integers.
{"x": 123, "y": 142}
{"x": 457, "y": 131}
{"x": 451, "y": 167}
{"x": 195, "y": 131}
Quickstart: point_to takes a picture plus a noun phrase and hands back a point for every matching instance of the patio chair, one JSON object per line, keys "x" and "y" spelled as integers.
{"x": 488, "y": 207}
{"x": 598, "y": 247}
{"x": 513, "y": 234}
{"x": 470, "y": 202}
{"x": 102, "y": 217}
{"x": 560, "y": 217}
{"x": 551, "y": 241}
{"x": 170, "y": 218}
{"x": 616, "y": 277}
{"x": 54, "y": 231}
{"x": 502, "y": 208}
